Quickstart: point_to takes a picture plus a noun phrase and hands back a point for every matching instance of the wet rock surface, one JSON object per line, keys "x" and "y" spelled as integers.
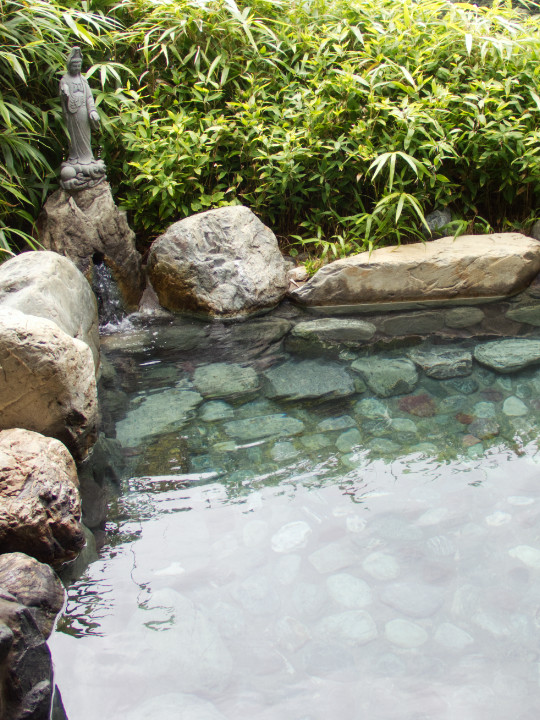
{"x": 50, "y": 286}
{"x": 48, "y": 381}
{"x": 40, "y": 512}
{"x": 87, "y": 223}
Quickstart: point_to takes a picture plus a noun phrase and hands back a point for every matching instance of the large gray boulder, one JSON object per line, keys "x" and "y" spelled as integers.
{"x": 470, "y": 266}
{"x": 87, "y": 227}
{"x": 48, "y": 285}
{"x": 219, "y": 263}
{"x": 40, "y": 511}
{"x": 47, "y": 383}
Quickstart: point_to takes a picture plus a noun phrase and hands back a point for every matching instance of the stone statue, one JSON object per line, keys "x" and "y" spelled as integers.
{"x": 81, "y": 169}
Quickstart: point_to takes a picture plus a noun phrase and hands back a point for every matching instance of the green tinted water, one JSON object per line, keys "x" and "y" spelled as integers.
{"x": 290, "y": 544}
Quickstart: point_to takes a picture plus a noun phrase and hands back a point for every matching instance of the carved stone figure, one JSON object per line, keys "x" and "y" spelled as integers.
{"x": 81, "y": 169}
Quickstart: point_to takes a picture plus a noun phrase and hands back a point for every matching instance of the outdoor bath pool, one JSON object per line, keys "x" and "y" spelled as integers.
{"x": 290, "y": 544}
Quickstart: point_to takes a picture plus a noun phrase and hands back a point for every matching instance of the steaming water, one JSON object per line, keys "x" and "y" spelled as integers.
{"x": 359, "y": 562}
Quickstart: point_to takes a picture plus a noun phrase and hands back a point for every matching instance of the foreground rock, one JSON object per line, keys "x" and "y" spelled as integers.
{"x": 471, "y": 266}
{"x": 47, "y": 382}
{"x": 87, "y": 227}
{"x": 40, "y": 511}
{"x": 26, "y": 672}
{"x": 48, "y": 285}
{"x": 508, "y": 356}
{"x": 222, "y": 262}
{"x": 34, "y": 585}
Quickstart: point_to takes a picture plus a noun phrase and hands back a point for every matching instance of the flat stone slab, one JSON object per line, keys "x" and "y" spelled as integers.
{"x": 278, "y": 425}
{"x": 508, "y": 356}
{"x": 169, "y": 409}
{"x": 333, "y": 331}
{"x": 442, "y": 363}
{"x": 308, "y": 379}
{"x": 470, "y": 266}
{"x": 387, "y": 376}
{"x": 224, "y": 380}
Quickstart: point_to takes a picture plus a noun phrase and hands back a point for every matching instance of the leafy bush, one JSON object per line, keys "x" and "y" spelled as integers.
{"x": 340, "y": 123}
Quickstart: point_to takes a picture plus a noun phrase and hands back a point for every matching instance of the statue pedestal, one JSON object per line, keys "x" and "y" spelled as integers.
{"x": 87, "y": 227}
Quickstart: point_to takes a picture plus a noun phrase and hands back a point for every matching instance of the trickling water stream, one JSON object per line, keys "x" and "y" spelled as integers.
{"x": 289, "y": 544}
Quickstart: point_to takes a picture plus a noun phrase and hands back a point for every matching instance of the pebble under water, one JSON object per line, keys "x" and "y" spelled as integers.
{"x": 289, "y": 543}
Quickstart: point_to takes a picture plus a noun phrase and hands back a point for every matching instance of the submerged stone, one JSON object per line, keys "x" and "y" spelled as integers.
{"x": 529, "y": 314}
{"x": 421, "y": 405}
{"x": 317, "y": 441}
{"x": 419, "y": 323}
{"x": 348, "y": 440}
{"x": 484, "y": 428}
{"x": 462, "y": 317}
{"x": 381, "y": 566}
{"x": 529, "y": 556}
{"x": 442, "y": 363}
{"x": 215, "y": 410}
{"x": 405, "y": 633}
{"x": 508, "y": 356}
{"x": 514, "y": 407}
{"x": 292, "y": 536}
{"x": 371, "y": 408}
{"x": 280, "y": 425}
{"x": 387, "y": 376}
{"x": 352, "y": 627}
{"x": 349, "y": 591}
{"x": 155, "y": 414}
{"x": 414, "y": 599}
{"x": 344, "y": 422}
{"x": 466, "y": 385}
{"x": 308, "y": 379}
{"x": 452, "y": 637}
{"x": 222, "y": 380}
{"x": 283, "y": 451}
{"x": 330, "y": 332}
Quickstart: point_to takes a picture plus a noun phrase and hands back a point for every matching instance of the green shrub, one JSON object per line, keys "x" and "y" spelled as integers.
{"x": 340, "y": 123}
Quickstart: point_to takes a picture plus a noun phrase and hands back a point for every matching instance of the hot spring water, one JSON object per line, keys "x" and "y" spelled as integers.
{"x": 343, "y": 556}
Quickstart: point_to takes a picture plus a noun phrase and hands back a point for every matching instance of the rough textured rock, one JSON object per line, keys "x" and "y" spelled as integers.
{"x": 308, "y": 379}
{"x": 40, "y": 511}
{"x": 387, "y": 376}
{"x": 442, "y": 363}
{"x": 470, "y": 266}
{"x": 25, "y": 664}
{"x": 86, "y": 226}
{"x": 48, "y": 285}
{"x": 35, "y": 585}
{"x": 47, "y": 382}
{"x": 508, "y": 356}
{"x": 222, "y": 262}
{"x": 325, "y": 333}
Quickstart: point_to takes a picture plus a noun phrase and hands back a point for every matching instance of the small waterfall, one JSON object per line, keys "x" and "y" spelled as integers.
{"x": 110, "y": 305}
